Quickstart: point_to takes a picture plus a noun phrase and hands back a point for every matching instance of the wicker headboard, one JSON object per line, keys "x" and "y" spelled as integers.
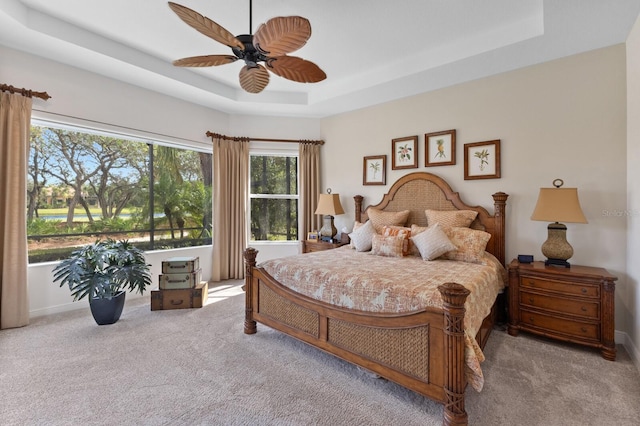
{"x": 420, "y": 191}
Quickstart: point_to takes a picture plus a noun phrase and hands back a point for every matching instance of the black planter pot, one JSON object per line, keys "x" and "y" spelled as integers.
{"x": 107, "y": 311}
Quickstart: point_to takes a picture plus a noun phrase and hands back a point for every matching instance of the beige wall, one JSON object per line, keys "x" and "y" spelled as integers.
{"x": 633, "y": 184}
{"x": 562, "y": 119}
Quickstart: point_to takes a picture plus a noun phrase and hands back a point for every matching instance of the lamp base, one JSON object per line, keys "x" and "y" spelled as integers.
{"x": 557, "y": 249}
{"x": 328, "y": 229}
{"x": 557, "y": 262}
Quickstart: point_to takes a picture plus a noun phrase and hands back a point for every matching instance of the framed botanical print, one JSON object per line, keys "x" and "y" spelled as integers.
{"x": 404, "y": 153}
{"x": 440, "y": 148}
{"x": 482, "y": 160}
{"x": 374, "y": 170}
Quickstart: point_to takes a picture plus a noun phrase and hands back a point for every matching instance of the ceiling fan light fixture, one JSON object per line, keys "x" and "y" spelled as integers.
{"x": 254, "y": 79}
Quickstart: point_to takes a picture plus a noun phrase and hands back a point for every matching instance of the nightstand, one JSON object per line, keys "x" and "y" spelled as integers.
{"x": 311, "y": 246}
{"x": 570, "y": 304}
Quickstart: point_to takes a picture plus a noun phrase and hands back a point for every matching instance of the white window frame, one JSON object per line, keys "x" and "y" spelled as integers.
{"x": 258, "y": 149}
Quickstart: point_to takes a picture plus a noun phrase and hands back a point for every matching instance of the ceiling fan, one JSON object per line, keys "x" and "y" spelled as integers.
{"x": 270, "y": 44}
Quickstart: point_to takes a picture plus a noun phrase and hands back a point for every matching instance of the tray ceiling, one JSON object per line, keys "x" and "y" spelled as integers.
{"x": 372, "y": 51}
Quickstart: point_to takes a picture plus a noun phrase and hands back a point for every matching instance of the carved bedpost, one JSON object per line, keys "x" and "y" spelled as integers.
{"x": 500, "y": 203}
{"x": 250, "y": 262}
{"x": 453, "y": 297}
{"x": 358, "y": 199}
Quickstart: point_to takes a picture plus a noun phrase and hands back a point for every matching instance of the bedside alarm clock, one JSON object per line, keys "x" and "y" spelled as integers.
{"x": 525, "y": 258}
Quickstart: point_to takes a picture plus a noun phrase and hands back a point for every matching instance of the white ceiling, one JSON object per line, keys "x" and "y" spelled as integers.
{"x": 372, "y": 51}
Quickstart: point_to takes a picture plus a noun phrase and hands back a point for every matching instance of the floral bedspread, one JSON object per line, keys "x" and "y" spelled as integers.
{"x": 365, "y": 282}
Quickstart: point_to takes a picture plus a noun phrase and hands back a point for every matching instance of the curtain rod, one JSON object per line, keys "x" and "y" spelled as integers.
{"x": 218, "y": 135}
{"x": 24, "y": 92}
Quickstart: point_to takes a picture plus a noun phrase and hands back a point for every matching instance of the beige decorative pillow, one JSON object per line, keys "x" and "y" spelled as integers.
{"x": 433, "y": 242}
{"x": 451, "y": 218}
{"x": 387, "y": 246}
{"x": 381, "y": 218}
{"x": 470, "y": 243}
{"x": 391, "y": 231}
{"x": 362, "y": 236}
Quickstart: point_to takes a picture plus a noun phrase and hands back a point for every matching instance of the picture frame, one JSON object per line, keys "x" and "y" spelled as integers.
{"x": 374, "y": 170}
{"x": 404, "y": 153}
{"x": 482, "y": 160}
{"x": 312, "y": 237}
{"x": 440, "y": 148}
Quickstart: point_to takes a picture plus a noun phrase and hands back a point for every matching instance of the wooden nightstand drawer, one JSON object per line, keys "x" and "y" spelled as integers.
{"x": 578, "y": 329}
{"x": 584, "y": 308}
{"x": 576, "y": 289}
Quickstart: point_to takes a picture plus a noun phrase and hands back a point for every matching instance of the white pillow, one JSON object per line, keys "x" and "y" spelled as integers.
{"x": 433, "y": 242}
{"x": 362, "y": 237}
{"x": 356, "y": 225}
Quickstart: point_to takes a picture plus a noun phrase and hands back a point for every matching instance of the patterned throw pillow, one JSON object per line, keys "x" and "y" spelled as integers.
{"x": 432, "y": 242}
{"x": 471, "y": 244}
{"x": 391, "y": 231}
{"x": 451, "y": 218}
{"x": 362, "y": 236}
{"x": 387, "y": 246}
{"x": 381, "y": 218}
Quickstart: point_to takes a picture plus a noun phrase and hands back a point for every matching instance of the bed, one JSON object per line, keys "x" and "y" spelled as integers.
{"x": 426, "y": 349}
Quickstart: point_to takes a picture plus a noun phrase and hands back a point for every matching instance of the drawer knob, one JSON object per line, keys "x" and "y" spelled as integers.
{"x": 584, "y": 290}
{"x": 531, "y": 300}
{"x": 531, "y": 283}
{"x": 531, "y": 319}
{"x": 584, "y": 309}
{"x": 583, "y": 329}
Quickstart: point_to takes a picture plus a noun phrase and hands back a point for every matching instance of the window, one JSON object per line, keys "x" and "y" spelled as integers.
{"x": 274, "y": 197}
{"x": 84, "y": 185}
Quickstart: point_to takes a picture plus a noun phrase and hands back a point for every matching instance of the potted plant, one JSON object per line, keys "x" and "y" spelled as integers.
{"x": 104, "y": 271}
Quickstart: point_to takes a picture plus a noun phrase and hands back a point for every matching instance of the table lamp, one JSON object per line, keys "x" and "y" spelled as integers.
{"x": 329, "y": 205}
{"x": 558, "y": 205}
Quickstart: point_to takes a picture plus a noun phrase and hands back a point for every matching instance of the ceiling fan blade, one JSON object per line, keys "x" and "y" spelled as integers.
{"x": 206, "y": 26}
{"x": 254, "y": 79}
{"x": 205, "y": 61}
{"x": 296, "y": 69}
{"x": 282, "y": 35}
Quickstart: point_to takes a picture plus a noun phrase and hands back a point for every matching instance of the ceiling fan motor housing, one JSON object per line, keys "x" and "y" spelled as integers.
{"x": 250, "y": 55}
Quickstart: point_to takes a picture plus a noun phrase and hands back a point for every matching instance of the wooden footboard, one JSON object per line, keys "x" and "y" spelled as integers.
{"x": 422, "y": 351}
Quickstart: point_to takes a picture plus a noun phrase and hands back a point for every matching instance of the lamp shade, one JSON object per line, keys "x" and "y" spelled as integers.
{"x": 558, "y": 205}
{"x": 329, "y": 204}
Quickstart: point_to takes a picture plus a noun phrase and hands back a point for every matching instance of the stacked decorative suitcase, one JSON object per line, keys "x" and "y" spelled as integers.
{"x": 180, "y": 285}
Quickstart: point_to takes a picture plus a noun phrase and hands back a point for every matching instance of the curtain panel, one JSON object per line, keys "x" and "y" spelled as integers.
{"x": 309, "y": 163}
{"x": 230, "y": 195}
{"x": 15, "y": 127}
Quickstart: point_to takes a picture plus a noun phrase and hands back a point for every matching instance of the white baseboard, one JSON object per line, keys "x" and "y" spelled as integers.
{"x": 71, "y": 306}
{"x": 49, "y": 310}
{"x": 623, "y": 339}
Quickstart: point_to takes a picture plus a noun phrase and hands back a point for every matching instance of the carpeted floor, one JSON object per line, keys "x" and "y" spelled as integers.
{"x": 196, "y": 367}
